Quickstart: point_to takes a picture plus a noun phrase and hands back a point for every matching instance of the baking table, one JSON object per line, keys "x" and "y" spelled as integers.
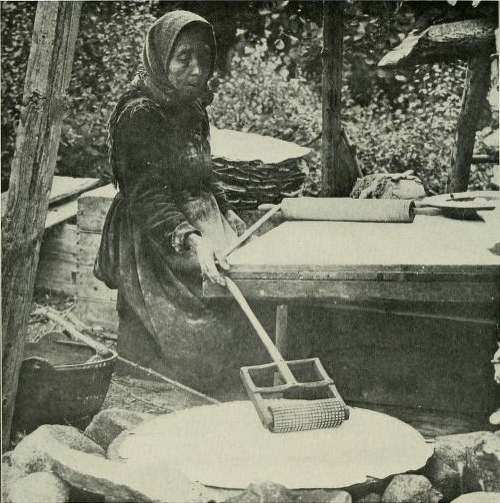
{"x": 432, "y": 260}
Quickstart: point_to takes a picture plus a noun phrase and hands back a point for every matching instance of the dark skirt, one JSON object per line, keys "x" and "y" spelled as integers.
{"x": 165, "y": 323}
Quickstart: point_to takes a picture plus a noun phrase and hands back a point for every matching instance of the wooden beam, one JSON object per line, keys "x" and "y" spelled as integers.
{"x": 477, "y": 83}
{"x": 37, "y": 141}
{"x": 281, "y": 328}
{"x": 333, "y": 16}
{"x": 440, "y": 42}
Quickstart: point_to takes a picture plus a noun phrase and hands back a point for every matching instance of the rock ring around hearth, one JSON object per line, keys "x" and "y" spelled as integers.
{"x": 226, "y": 446}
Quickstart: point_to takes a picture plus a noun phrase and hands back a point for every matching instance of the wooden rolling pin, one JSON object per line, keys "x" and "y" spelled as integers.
{"x": 346, "y": 209}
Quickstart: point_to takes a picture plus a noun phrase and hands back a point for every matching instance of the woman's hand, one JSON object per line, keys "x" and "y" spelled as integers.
{"x": 208, "y": 258}
{"x": 235, "y": 222}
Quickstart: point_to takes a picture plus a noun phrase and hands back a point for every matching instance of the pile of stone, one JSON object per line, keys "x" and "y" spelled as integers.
{"x": 255, "y": 169}
{"x": 60, "y": 464}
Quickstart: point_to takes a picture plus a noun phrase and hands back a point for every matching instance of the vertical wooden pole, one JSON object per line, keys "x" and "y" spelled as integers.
{"x": 37, "y": 141}
{"x": 281, "y": 328}
{"x": 473, "y": 100}
{"x": 333, "y": 17}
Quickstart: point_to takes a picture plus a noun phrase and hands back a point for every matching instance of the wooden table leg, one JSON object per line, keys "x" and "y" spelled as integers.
{"x": 281, "y": 327}
{"x": 280, "y": 341}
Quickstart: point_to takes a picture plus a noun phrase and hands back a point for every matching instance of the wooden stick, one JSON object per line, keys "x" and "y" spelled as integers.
{"x": 473, "y": 102}
{"x": 51, "y": 314}
{"x": 262, "y": 220}
{"x": 169, "y": 381}
{"x": 261, "y": 332}
{"x": 82, "y": 327}
{"x": 51, "y": 326}
{"x": 141, "y": 399}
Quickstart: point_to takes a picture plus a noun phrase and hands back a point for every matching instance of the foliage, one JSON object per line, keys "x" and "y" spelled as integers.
{"x": 417, "y": 132}
{"x": 397, "y": 119}
{"x": 16, "y": 25}
{"x": 107, "y": 51}
{"x": 293, "y": 30}
{"x": 259, "y": 96}
{"x": 414, "y": 131}
{"x": 106, "y": 57}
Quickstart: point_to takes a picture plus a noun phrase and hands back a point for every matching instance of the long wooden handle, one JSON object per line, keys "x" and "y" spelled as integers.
{"x": 261, "y": 332}
{"x": 262, "y": 220}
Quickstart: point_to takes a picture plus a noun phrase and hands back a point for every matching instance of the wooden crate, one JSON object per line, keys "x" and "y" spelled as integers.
{"x": 95, "y": 303}
{"x": 58, "y": 256}
{"x": 57, "y": 265}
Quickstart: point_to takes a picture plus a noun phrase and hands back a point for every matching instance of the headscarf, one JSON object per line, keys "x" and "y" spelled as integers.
{"x": 160, "y": 42}
{"x": 152, "y": 76}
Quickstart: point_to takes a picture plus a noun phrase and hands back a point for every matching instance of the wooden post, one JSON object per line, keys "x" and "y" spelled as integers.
{"x": 37, "y": 141}
{"x": 333, "y": 16}
{"x": 281, "y": 328}
{"x": 473, "y": 100}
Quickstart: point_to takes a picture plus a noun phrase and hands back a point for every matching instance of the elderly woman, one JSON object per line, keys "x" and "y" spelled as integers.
{"x": 170, "y": 222}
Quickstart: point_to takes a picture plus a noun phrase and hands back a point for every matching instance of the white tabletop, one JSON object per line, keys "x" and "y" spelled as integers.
{"x": 428, "y": 241}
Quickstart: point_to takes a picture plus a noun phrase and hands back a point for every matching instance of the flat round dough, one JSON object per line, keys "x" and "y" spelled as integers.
{"x": 226, "y": 446}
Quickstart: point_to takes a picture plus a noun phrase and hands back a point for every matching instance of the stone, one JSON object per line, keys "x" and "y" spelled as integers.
{"x": 43, "y": 486}
{"x": 10, "y": 474}
{"x": 371, "y": 498}
{"x": 325, "y": 496}
{"x": 268, "y": 492}
{"x": 444, "y": 478}
{"x": 495, "y": 418}
{"x": 126, "y": 482}
{"x": 6, "y": 457}
{"x": 31, "y": 453}
{"x": 80, "y": 496}
{"x": 411, "y": 489}
{"x": 466, "y": 462}
{"x": 483, "y": 468}
{"x": 109, "y": 423}
{"x": 90, "y": 471}
{"x": 478, "y": 497}
{"x": 455, "y": 449}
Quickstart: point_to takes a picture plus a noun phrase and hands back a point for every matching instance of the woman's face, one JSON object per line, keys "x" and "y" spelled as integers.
{"x": 190, "y": 64}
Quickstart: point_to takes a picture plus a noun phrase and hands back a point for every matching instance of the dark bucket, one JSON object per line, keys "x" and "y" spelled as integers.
{"x": 57, "y": 384}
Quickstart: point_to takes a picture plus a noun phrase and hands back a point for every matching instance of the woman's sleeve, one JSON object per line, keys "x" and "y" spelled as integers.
{"x": 146, "y": 177}
{"x": 220, "y": 195}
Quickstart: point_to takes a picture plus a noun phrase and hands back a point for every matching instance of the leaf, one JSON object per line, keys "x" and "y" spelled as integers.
{"x": 279, "y": 44}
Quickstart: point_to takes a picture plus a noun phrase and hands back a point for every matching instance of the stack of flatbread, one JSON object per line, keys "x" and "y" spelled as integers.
{"x": 255, "y": 169}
